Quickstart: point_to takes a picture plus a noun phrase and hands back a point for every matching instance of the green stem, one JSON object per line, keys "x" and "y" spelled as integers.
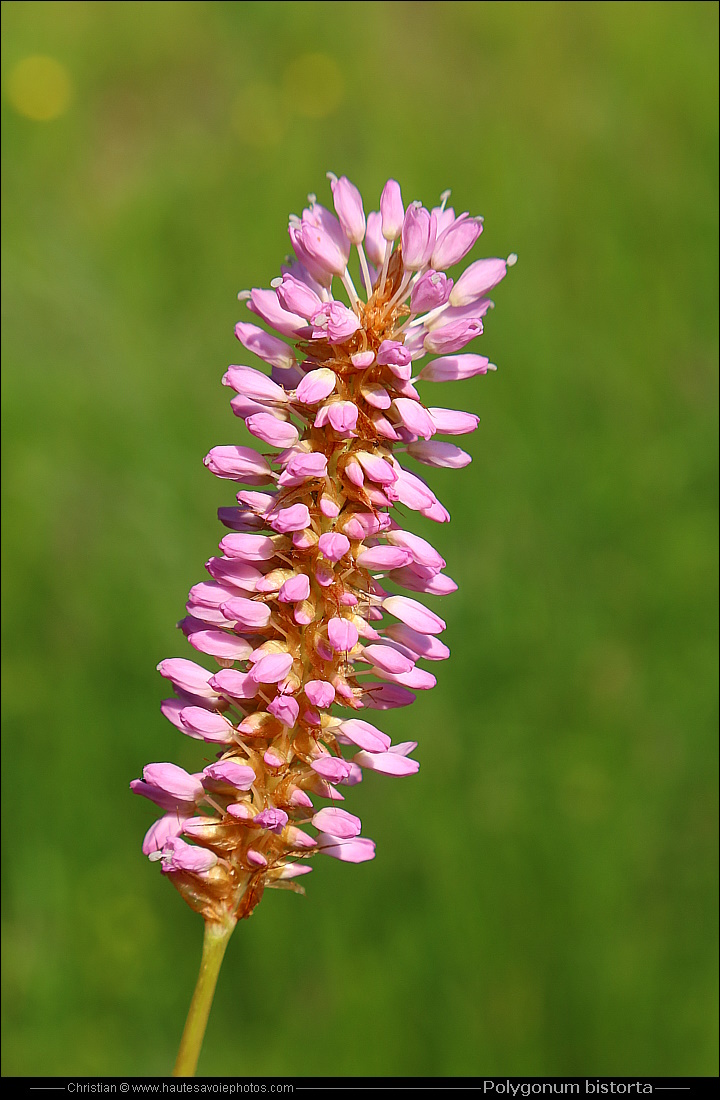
{"x": 215, "y": 941}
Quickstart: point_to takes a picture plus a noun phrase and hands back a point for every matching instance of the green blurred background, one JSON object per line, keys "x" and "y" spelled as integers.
{"x": 543, "y": 898}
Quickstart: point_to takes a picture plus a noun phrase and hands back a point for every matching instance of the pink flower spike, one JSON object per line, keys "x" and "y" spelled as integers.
{"x": 414, "y": 614}
{"x": 337, "y": 822}
{"x": 295, "y": 589}
{"x": 392, "y": 211}
{"x": 239, "y": 776}
{"x": 316, "y": 386}
{"x": 272, "y": 669}
{"x": 298, "y": 613}
{"x": 387, "y": 763}
{"x": 333, "y": 545}
{"x": 454, "y": 367}
{"x": 349, "y": 208}
{"x": 358, "y": 850}
{"x": 320, "y": 693}
{"x": 342, "y": 635}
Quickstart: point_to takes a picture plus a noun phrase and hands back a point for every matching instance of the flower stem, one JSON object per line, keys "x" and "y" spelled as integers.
{"x": 215, "y": 941}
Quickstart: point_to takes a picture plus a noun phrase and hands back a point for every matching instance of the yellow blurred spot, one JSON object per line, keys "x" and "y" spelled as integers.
{"x": 314, "y": 85}
{"x": 259, "y": 116}
{"x": 39, "y": 88}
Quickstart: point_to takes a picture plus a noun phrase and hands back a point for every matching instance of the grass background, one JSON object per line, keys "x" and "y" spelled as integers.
{"x": 543, "y": 898}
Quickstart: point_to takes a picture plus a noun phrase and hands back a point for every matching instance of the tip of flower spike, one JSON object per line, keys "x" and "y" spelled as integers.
{"x": 512, "y": 259}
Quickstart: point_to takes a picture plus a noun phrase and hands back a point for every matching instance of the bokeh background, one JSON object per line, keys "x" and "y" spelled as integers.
{"x": 543, "y": 898}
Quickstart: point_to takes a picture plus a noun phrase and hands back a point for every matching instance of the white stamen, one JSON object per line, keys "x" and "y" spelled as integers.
{"x": 491, "y": 366}
{"x": 511, "y": 260}
{"x": 365, "y": 270}
{"x": 275, "y": 283}
{"x": 243, "y": 295}
{"x": 386, "y": 261}
{"x": 352, "y": 292}
{"x": 444, "y": 198}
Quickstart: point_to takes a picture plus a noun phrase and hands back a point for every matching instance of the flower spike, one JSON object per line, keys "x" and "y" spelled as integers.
{"x": 300, "y": 613}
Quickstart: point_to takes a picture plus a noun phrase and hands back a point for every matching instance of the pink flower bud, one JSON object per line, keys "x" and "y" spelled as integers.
{"x": 452, "y": 337}
{"x": 455, "y": 242}
{"x": 239, "y": 776}
{"x": 333, "y": 545}
{"x": 414, "y": 614}
{"x": 453, "y": 367}
{"x": 285, "y": 709}
{"x": 476, "y": 280}
{"x": 268, "y": 348}
{"x": 391, "y": 210}
{"x": 387, "y": 763}
{"x": 320, "y": 693}
{"x": 342, "y": 635}
{"x": 430, "y": 291}
{"x": 418, "y": 236}
{"x": 349, "y": 851}
{"x": 238, "y": 464}
{"x": 316, "y": 386}
{"x": 339, "y": 823}
{"x": 453, "y": 421}
{"x": 374, "y": 241}
{"x": 335, "y": 323}
{"x": 349, "y": 208}
{"x": 297, "y": 297}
